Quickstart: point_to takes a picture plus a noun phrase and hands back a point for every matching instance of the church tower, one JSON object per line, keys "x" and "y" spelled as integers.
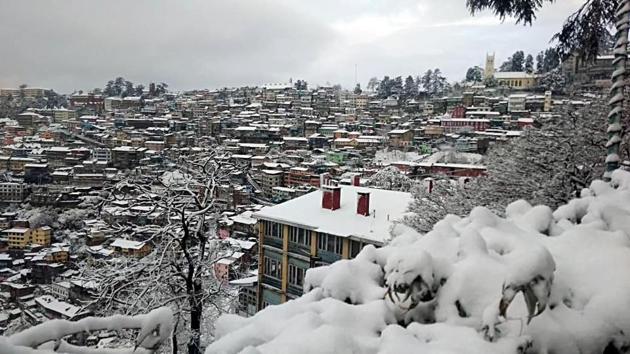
{"x": 489, "y": 69}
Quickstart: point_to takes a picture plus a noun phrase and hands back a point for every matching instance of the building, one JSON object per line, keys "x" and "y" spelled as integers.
{"x": 300, "y": 176}
{"x": 516, "y": 80}
{"x": 41, "y": 236}
{"x": 458, "y": 125}
{"x": 589, "y": 73}
{"x": 13, "y": 192}
{"x": 271, "y": 179}
{"x": 512, "y": 79}
{"x": 91, "y": 101}
{"x": 319, "y": 228}
{"x": 247, "y": 298}
{"x": 18, "y": 237}
{"x": 102, "y": 154}
{"x": 54, "y": 308}
{"x": 516, "y": 102}
{"x": 489, "y": 68}
{"x": 126, "y": 157}
{"x": 130, "y": 248}
{"x": 400, "y": 138}
{"x": 63, "y": 115}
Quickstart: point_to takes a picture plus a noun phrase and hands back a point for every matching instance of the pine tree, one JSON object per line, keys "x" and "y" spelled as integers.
{"x": 372, "y": 84}
{"x": 426, "y": 81}
{"x": 529, "y": 64}
{"x": 474, "y": 74}
{"x": 384, "y": 88}
{"x": 540, "y": 57}
{"x": 410, "y": 88}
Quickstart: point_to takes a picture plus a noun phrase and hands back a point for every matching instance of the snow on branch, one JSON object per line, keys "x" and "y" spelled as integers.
{"x": 153, "y": 328}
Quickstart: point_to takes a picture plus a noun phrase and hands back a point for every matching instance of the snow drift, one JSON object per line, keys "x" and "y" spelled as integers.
{"x": 536, "y": 281}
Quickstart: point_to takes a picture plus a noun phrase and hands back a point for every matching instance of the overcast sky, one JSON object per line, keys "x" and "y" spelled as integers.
{"x": 77, "y": 44}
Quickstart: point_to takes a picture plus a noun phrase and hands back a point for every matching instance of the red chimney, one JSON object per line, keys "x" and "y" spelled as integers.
{"x": 363, "y": 203}
{"x": 331, "y": 197}
{"x": 356, "y": 180}
{"x": 324, "y": 179}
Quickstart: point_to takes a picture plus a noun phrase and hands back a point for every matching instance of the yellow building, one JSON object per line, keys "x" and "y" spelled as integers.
{"x": 512, "y": 79}
{"x": 320, "y": 228}
{"x": 58, "y": 254}
{"x": 22, "y": 237}
{"x": 515, "y": 79}
{"x": 130, "y": 248}
{"x": 41, "y": 236}
{"x": 18, "y": 237}
{"x": 63, "y": 115}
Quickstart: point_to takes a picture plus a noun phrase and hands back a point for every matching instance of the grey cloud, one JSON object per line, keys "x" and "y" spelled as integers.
{"x": 77, "y": 44}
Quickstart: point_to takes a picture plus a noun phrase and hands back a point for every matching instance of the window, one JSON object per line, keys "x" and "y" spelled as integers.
{"x": 296, "y": 275}
{"x": 355, "y": 248}
{"x": 273, "y": 268}
{"x": 273, "y": 229}
{"x": 299, "y": 236}
{"x": 330, "y": 243}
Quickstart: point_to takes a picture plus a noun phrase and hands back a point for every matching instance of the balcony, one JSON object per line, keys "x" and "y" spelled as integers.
{"x": 272, "y": 241}
{"x": 272, "y": 282}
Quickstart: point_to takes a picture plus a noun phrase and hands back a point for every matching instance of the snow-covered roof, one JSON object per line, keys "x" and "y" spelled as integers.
{"x": 243, "y": 244}
{"x": 244, "y": 218}
{"x": 399, "y": 131}
{"x": 249, "y": 281}
{"x": 16, "y": 230}
{"x": 50, "y": 303}
{"x": 307, "y": 212}
{"x": 127, "y": 244}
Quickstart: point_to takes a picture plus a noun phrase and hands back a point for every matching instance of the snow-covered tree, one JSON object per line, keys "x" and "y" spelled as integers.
{"x": 391, "y": 178}
{"x": 474, "y": 74}
{"x": 554, "y": 80}
{"x": 546, "y": 165}
{"x": 177, "y": 214}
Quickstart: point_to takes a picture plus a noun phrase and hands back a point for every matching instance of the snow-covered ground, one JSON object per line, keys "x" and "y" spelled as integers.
{"x": 536, "y": 281}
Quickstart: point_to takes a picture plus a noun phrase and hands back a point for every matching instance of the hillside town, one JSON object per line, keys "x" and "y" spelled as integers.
{"x": 310, "y": 179}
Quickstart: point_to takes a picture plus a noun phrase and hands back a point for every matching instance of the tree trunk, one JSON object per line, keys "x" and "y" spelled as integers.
{"x": 196, "y": 308}
{"x": 617, "y": 90}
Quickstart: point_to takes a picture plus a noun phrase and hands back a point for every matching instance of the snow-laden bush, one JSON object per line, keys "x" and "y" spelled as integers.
{"x": 534, "y": 281}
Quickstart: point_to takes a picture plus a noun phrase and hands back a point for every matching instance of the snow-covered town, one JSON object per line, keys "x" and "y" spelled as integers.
{"x": 270, "y": 180}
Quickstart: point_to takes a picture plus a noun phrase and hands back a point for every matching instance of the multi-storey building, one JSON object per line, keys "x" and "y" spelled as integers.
{"x": 63, "y": 115}
{"x": 127, "y": 157}
{"x": 400, "y": 138}
{"x": 320, "y": 228}
{"x": 271, "y": 179}
{"x": 13, "y": 192}
{"x": 18, "y": 237}
{"x": 41, "y": 235}
{"x": 22, "y": 237}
